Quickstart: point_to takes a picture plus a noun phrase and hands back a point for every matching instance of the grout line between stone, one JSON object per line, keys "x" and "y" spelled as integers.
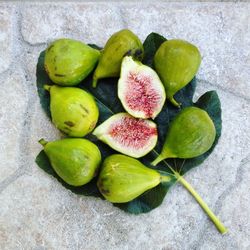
{"x": 24, "y": 141}
{"x": 20, "y": 17}
{"x": 18, "y": 60}
{"x": 11, "y": 178}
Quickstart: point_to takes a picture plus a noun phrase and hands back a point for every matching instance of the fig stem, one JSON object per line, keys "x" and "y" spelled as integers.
{"x": 174, "y": 102}
{"x": 47, "y": 87}
{"x": 94, "y": 83}
{"x": 165, "y": 178}
{"x": 42, "y": 142}
{"x": 158, "y": 159}
{"x": 162, "y": 156}
{"x": 219, "y": 225}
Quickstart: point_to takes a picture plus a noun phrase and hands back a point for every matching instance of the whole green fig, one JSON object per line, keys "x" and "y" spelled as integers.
{"x": 73, "y": 110}
{"x": 120, "y": 44}
{"x": 190, "y": 134}
{"x": 75, "y": 160}
{"x": 68, "y": 61}
{"x": 176, "y": 62}
{"x": 123, "y": 178}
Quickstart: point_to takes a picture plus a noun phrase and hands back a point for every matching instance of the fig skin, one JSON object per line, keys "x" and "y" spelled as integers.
{"x": 123, "y": 178}
{"x": 128, "y": 135}
{"x": 68, "y": 61}
{"x": 140, "y": 90}
{"x": 75, "y": 160}
{"x": 176, "y": 62}
{"x": 191, "y": 133}
{"x": 120, "y": 44}
{"x": 73, "y": 110}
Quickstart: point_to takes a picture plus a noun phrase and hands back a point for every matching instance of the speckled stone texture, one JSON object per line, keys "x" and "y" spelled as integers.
{"x": 36, "y": 212}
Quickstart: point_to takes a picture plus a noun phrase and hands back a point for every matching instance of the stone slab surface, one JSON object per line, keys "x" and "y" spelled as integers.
{"x": 36, "y": 212}
{"x": 12, "y": 112}
{"x": 6, "y": 14}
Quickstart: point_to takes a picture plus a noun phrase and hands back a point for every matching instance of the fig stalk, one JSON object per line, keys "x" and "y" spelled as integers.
{"x": 157, "y": 160}
{"x": 47, "y": 87}
{"x": 94, "y": 83}
{"x": 164, "y": 155}
{"x": 174, "y": 102}
{"x": 219, "y": 225}
{"x": 42, "y": 142}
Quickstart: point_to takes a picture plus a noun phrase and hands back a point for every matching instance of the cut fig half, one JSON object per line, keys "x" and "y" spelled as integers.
{"x": 140, "y": 90}
{"x": 128, "y": 135}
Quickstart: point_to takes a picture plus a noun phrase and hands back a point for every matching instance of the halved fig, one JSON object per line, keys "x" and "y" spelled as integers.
{"x": 140, "y": 90}
{"x": 128, "y": 135}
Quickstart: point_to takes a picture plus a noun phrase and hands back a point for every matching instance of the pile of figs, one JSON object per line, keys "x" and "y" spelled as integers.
{"x": 142, "y": 91}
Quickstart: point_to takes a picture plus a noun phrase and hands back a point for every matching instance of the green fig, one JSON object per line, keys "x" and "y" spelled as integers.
{"x": 68, "y": 61}
{"x": 176, "y": 62}
{"x": 123, "y": 178}
{"x": 75, "y": 160}
{"x": 120, "y": 44}
{"x": 73, "y": 110}
{"x": 191, "y": 133}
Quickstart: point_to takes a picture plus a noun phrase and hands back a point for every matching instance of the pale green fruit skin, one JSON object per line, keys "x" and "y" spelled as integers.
{"x": 73, "y": 110}
{"x": 120, "y": 44}
{"x": 192, "y": 133}
{"x": 68, "y": 61}
{"x": 176, "y": 62}
{"x": 75, "y": 160}
{"x": 123, "y": 178}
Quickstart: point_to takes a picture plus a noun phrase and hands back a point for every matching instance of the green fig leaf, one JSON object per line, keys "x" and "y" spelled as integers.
{"x": 42, "y": 79}
{"x": 151, "y": 44}
{"x": 108, "y": 103}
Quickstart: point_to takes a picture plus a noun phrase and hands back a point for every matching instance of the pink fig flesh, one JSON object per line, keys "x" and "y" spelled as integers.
{"x": 128, "y": 135}
{"x": 140, "y": 89}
